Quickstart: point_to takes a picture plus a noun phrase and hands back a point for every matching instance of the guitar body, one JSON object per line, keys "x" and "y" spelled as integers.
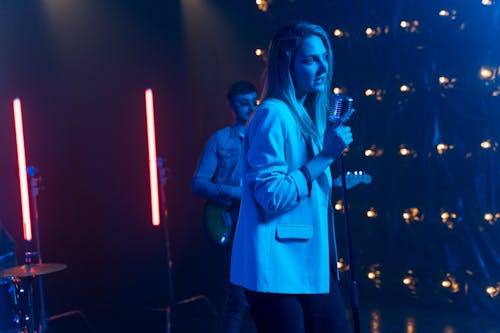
{"x": 220, "y": 222}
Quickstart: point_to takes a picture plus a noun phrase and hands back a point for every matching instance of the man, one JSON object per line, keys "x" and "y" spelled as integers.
{"x": 218, "y": 179}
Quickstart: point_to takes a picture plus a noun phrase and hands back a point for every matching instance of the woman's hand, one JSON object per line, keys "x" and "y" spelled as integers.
{"x": 336, "y": 139}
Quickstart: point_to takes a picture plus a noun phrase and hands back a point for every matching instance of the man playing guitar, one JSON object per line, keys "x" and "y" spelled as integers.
{"x": 218, "y": 179}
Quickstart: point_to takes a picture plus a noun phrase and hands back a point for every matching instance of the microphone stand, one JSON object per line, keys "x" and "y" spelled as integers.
{"x": 162, "y": 174}
{"x": 354, "y": 284}
{"x": 35, "y": 180}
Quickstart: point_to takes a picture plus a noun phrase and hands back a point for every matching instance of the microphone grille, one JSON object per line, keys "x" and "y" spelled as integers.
{"x": 339, "y": 104}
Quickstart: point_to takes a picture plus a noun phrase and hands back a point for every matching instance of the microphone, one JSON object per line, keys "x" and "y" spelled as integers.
{"x": 340, "y": 109}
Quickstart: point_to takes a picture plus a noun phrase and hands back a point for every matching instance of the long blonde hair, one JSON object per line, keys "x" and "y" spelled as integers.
{"x": 279, "y": 83}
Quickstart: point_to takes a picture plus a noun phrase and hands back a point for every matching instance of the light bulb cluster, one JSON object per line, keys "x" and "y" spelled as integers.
{"x": 412, "y": 215}
{"x": 448, "y": 218}
{"x": 263, "y": 5}
{"x": 441, "y": 149}
{"x": 448, "y": 13}
{"x": 409, "y": 279}
{"x": 409, "y": 26}
{"x": 491, "y": 218}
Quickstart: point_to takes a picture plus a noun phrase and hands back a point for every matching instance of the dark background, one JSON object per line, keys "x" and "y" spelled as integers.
{"x": 81, "y": 68}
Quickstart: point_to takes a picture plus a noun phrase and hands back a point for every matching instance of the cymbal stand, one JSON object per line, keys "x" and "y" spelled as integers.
{"x": 35, "y": 181}
{"x": 162, "y": 175}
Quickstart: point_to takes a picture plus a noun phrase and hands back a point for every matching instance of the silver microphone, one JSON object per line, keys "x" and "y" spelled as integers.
{"x": 340, "y": 109}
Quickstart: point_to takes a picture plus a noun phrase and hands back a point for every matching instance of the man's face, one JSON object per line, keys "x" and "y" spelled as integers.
{"x": 243, "y": 105}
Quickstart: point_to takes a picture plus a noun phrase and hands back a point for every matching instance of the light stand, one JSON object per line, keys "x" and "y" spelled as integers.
{"x": 162, "y": 175}
{"x": 35, "y": 181}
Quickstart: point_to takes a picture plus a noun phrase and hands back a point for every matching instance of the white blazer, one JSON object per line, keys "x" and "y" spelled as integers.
{"x": 281, "y": 243}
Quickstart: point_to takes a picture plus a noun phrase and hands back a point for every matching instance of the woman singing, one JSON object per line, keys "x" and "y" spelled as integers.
{"x": 284, "y": 248}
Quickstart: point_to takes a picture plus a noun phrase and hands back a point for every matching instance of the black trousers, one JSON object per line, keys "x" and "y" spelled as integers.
{"x": 290, "y": 313}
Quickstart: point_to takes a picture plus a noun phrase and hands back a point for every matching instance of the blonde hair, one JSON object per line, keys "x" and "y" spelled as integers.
{"x": 279, "y": 83}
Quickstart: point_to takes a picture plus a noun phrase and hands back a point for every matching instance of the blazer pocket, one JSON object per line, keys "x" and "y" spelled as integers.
{"x": 294, "y": 231}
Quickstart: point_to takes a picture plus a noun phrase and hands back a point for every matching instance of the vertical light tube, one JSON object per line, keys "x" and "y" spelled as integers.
{"x": 23, "y": 177}
{"x": 153, "y": 168}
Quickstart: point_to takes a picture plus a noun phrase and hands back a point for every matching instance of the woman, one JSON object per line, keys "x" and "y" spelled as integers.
{"x": 282, "y": 252}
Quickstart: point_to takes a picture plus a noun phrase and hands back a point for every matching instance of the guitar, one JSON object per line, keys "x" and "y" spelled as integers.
{"x": 353, "y": 178}
{"x": 221, "y": 221}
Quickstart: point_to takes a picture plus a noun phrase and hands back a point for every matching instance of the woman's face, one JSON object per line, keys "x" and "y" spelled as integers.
{"x": 310, "y": 67}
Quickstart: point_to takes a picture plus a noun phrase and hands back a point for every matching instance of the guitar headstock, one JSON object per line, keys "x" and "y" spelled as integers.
{"x": 353, "y": 178}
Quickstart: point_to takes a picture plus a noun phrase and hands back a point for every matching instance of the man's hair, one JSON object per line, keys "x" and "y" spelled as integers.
{"x": 240, "y": 88}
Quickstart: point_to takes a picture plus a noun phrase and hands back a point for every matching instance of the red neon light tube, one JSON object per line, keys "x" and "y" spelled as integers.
{"x": 23, "y": 176}
{"x": 153, "y": 168}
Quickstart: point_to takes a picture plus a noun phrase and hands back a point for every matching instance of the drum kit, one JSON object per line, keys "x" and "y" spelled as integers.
{"x": 17, "y": 310}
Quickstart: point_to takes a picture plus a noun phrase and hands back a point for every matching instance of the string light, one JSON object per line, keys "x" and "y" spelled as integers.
{"x": 375, "y": 274}
{"x": 442, "y": 148}
{"x": 263, "y": 5}
{"x": 339, "y": 205}
{"x": 342, "y": 266}
{"x": 493, "y": 290}
{"x": 373, "y": 151}
{"x": 450, "y": 283}
{"x": 452, "y": 14}
{"x": 339, "y": 33}
{"x": 259, "y": 52}
{"x": 409, "y": 26}
{"x": 372, "y": 32}
{"x": 410, "y": 282}
{"x": 377, "y": 93}
{"x": 446, "y": 82}
{"x": 487, "y": 2}
{"x": 404, "y": 151}
{"x": 491, "y": 218}
{"x": 406, "y": 88}
{"x": 375, "y": 322}
{"x": 412, "y": 214}
{"x": 410, "y": 325}
{"x": 338, "y": 90}
{"x": 488, "y": 73}
{"x": 448, "y": 218}
{"x": 371, "y": 213}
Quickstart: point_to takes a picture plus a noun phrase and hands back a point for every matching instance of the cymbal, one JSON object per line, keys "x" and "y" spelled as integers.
{"x": 31, "y": 270}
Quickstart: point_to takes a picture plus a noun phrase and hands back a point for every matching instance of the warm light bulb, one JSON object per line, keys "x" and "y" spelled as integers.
{"x": 446, "y": 284}
{"x": 404, "y": 24}
{"x": 486, "y": 73}
{"x": 443, "y": 80}
{"x": 486, "y": 144}
{"x": 443, "y": 12}
{"x": 372, "y": 275}
{"x": 338, "y": 33}
{"x": 488, "y": 217}
{"x": 404, "y": 151}
{"x": 407, "y": 280}
{"x": 369, "y": 92}
{"x": 487, "y": 2}
{"x": 369, "y": 153}
{"x": 404, "y": 88}
{"x": 371, "y": 213}
{"x": 258, "y": 52}
{"x": 492, "y": 291}
{"x": 337, "y": 90}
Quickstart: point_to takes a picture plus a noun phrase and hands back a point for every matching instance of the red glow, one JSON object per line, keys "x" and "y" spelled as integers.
{"x": 23, "y": 177}
{"x": 153, "y": 169}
